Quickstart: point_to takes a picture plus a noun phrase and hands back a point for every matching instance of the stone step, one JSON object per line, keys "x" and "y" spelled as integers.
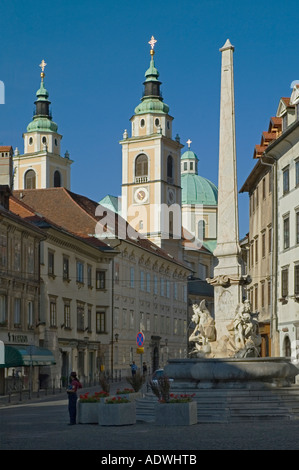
{"x": 244, "y": 395}
{"x": 234, "y": 405}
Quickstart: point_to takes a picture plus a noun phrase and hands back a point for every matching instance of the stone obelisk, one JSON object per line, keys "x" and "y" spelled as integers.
{"x": 227, "y": 274}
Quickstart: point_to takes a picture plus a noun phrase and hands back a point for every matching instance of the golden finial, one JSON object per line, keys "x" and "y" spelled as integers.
{"x": 152, "y": 43}
{"x": 42, "y": 66}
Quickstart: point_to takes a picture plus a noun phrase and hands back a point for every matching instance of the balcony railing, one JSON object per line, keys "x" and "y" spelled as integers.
{"x": 141, "y": 179}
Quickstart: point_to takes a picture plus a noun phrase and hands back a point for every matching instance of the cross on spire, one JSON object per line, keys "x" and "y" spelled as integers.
{"x": 189, "y": 142}
{"x": 152, "y": 42}
{"x": 42, "y": 65}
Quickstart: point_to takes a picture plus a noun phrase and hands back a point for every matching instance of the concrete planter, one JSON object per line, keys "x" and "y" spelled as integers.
{"x": 118, "y": 414}
{"x": 176, "y": 414}
{"x": 87, "y": 413}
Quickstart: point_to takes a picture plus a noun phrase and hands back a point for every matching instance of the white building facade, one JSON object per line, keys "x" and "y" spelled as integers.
{"x": 285, "y": 153}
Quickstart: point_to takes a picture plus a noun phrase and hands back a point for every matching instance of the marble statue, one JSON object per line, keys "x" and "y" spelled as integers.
{"x": 246, "y": 332}
{"x": 242, "y": 339}
{"x": 204, "y": 331}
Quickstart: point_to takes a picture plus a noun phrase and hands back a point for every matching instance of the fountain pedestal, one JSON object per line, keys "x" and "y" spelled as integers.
{"x": 249, "y": 373}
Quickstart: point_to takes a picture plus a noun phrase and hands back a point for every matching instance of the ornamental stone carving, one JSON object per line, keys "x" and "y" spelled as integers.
{"x": 242, "y": 339}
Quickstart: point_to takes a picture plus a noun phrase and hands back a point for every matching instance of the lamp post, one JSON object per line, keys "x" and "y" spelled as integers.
{"x": 166, "y": 349}
{"x": 114, "y": 339}
{"x": 30, "y": 370}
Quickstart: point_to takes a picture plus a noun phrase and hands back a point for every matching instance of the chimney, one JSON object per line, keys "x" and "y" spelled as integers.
{"x": 6, "y": 166}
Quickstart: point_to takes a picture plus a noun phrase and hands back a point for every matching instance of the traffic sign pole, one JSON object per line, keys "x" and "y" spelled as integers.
{"x": 140, "y": 342}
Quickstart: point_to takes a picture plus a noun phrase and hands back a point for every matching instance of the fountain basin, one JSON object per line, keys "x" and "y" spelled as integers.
{"x": 231, "y": 372}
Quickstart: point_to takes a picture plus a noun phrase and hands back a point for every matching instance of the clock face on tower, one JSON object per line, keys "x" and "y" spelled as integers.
{"x": 141, "y": 195}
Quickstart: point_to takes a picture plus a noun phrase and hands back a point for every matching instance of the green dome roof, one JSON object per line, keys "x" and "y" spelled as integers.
{"x": 42, "y": 94}
{"x": 152, "y": 73}
{"x": 189, "y": 155}
{"x": 152, "y": 105}
{"x": 42, "y": 124}
{"x": 198, "y": 190}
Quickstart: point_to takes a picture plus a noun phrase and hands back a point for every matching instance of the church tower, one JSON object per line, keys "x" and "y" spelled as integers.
{"x": 41, "y": 165}
{"x": 151, "y": 172}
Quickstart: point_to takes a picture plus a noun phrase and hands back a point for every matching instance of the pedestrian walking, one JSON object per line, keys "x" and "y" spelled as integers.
{"x": 72, "y": 396}
{"x": 133, "y": 368}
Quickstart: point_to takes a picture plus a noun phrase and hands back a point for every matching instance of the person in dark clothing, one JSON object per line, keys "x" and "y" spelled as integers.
{"x": 72, "y": 396}
{"x": 133, "y": 368}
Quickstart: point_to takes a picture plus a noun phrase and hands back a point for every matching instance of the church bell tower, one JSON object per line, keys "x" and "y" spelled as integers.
{"x": 41, "y": 165}
{"x": 151, "y": 176}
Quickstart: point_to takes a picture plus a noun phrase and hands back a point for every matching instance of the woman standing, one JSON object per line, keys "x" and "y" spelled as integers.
{"x": 72, "y": 396}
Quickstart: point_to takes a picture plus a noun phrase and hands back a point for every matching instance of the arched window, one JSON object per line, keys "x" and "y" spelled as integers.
{"x": 141, "y": 166}
{"x": 57, "y": 179}
{"x": 287, "y": 347}
{"x": 30, "y": 179}
{"x": 201, "y": 230}
{"x": 169, "y": 166}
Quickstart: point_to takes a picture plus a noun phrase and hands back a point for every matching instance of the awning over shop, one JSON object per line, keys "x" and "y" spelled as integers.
{"x": 18, "y": 356}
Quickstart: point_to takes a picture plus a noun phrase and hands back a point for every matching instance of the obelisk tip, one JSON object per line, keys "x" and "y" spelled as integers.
{"x": 226, "y": 46}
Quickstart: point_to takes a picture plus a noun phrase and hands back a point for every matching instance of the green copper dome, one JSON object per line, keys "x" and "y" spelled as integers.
{"x": 189, "y": 155}
{"x": 42, "y": 94}
{"x": 198, "y": 190}
{"x": 152, "y": 73}
{"x": 42, "y": 124}
{"x": 153, "y": 105}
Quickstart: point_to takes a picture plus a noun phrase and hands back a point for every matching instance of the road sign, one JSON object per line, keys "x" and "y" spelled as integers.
{"x": 140, "y": 339}
{"x": 140, "y": 350}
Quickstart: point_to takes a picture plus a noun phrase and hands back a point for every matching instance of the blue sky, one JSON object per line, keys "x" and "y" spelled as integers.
{"x": 97, "y": 53}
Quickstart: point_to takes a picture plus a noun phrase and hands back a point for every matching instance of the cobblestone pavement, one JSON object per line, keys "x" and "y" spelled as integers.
{"x": 42, "y": 424}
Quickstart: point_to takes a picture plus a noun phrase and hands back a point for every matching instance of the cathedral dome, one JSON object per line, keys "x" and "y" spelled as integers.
{"x": 42, "y": 124}
{"x": 189, "y": 155}
{"x": 198, "y": 190}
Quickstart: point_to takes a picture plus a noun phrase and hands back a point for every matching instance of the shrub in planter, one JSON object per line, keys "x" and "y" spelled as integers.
{"x": 161, "y": 388}
{"x": 136, "y": 381}
{"x": 104, "y": 383}
{"x": 95, "y": 398}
